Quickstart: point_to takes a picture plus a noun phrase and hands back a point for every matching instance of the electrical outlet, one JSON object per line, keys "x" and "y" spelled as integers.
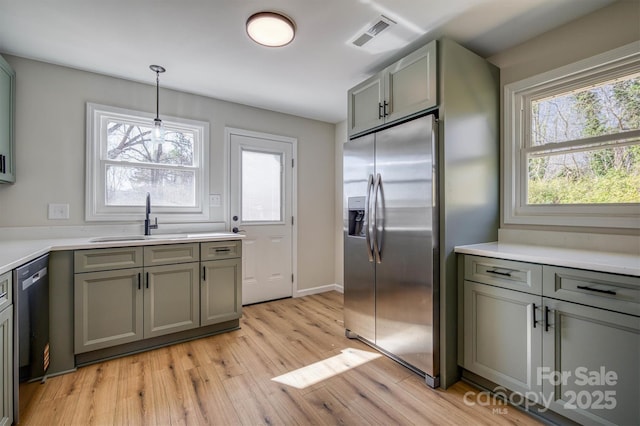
{"x": 58, "y": 211}
{"x": 215, "y": 200}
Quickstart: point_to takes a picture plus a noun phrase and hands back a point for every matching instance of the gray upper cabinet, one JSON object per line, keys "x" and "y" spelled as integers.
{"x": 366, "y": 103}
{"x": 404, "y": 88}
{"x": 7, "y": 120}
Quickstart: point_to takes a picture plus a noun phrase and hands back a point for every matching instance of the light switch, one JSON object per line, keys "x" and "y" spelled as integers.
{"x": 215, "y": 200}
{"x": 58, "y": 211}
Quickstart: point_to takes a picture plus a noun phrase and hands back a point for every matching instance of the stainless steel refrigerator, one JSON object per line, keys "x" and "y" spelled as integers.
{"x": 391, "y": 243}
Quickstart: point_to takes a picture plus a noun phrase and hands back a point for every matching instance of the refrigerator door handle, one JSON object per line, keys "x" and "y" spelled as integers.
{"x": 367, "y": 231}
{"x": 376, "y": 190}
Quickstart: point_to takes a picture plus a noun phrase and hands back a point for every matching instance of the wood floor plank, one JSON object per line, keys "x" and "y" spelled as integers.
{"x": 227, "y": 379}
{"x": 253, "y": 406}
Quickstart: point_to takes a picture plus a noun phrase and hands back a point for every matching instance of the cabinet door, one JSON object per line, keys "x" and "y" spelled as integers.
{"x": 6, "y": 366}
{"x": 218, "y": 250}
{"x": 221, "y": 295}
{"x": 108, "y": 308}
{"x": 365, "y": 105}
{"x": 168, "y": 254}
{"x": 106, "y": 259}
{"x": 6, "y": 290}
{"x": 411, "y": 84}
{"x": 171, "y": 299}
{"x": 502, "y": 341}
{"x": 7, "y": 100}
{"x": 586, "y": 342}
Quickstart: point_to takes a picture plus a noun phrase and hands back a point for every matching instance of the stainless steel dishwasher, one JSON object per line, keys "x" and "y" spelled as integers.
{"x": 31, "y": 345}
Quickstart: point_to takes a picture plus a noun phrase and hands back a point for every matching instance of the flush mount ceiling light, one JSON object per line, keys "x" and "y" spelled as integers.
{"x": 271, "y": 29}
{"x": 158, "y": 130}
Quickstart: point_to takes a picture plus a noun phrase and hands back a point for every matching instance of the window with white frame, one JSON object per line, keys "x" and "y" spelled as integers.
{"x": 572, "y": 144}
{"x": 124, "y": 163}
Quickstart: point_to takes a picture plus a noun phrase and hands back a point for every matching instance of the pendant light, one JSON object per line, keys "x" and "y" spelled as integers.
{"x": 157, "y": 135}
{"x": 271, "y": 29}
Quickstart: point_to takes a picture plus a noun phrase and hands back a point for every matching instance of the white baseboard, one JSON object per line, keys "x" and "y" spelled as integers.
{"x": 319, "y": 289}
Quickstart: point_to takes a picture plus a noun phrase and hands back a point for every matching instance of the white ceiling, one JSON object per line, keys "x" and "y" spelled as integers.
{"x": 205, "y": 49}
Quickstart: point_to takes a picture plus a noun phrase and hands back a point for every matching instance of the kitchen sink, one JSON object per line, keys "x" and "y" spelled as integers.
{"x": 113, "y": 238}
{"x": 117, "y": 238}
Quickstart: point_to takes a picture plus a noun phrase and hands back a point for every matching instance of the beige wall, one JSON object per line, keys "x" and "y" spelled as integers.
{"x": 50, "y": 151}
{"x": 598, "y": 32}
{"x": 605, "y": 29}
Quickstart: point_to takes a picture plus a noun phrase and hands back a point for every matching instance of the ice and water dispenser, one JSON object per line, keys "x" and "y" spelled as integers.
{"x": 357, "y": 223}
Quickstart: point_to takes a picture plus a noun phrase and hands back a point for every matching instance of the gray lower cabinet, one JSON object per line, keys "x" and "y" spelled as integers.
{"x": 117, "y": 306}
{"x": 577, "y": 360}
{"x": 221, "y": 291}
{"x": 108, "y": 308}
{"x": 126, "y": 294}
{"x": 6, "y": 366}
{"x": 171, "y": 299}
{"x": 598, "y": 352}
{"x": 503, "y": 342}
{"x": 6, "y": 349}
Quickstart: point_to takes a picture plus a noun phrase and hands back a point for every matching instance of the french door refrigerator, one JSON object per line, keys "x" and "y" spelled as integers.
{"x": 391, "y": 243}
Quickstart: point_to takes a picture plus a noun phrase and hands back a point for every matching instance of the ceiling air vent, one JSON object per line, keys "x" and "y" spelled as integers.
{"x": 379, "y": 26}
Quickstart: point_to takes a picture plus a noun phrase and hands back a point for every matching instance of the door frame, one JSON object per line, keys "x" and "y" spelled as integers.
{"x": 230, "y": 131}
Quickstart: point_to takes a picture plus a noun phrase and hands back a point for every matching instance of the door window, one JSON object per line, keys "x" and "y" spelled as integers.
{"x": 261, "y": 186}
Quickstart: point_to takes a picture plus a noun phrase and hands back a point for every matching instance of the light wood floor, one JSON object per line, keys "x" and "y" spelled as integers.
{"x": 227, "y": 380}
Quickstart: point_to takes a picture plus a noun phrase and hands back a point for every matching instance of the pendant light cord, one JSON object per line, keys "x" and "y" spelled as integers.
{"x": 157, "y": 95}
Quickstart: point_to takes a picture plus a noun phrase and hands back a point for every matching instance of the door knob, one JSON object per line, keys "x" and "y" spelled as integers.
{"x": 235, "y": 218}
{"x": 236, "y": 230}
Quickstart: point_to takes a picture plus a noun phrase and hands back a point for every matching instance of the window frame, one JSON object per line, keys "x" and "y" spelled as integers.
{"x": 517, "y": 104}
{"x": 95, "y": 202}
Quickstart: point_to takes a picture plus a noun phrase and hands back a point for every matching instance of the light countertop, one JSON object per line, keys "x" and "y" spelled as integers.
{"x": 617, "y": 263}
{"x": 18, "y": 252}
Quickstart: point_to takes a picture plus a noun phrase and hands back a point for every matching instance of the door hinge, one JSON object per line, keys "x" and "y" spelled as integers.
{"x": 292, "y": 221}
{"x": 291, "y": 277}
{"x": 293, "y": 162}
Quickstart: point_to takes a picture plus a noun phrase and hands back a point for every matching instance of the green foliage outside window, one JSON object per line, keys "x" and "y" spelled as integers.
{"x": 595, "y": 173}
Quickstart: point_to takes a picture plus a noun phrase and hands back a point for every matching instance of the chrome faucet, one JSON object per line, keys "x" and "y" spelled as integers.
{"x": 147, "y": 223}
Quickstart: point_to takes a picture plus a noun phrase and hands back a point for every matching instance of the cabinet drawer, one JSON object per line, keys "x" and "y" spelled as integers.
{"x": 504, "y": 273}
{"x": 618, "y": 293}
{"x": 171, "y": 253}
{"x": 106, "y": 259}
{"x": 221, "y": 250}
{"x": 6, "y": 290}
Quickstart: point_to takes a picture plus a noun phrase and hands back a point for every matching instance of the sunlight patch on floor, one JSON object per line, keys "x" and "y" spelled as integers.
{"x": 322, "y": 370}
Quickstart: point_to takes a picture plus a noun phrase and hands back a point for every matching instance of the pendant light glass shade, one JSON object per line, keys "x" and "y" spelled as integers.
{"x": 157, "y": 135}
{"x": 271, "y": 29}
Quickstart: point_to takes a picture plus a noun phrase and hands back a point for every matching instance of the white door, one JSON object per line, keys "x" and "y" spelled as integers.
{"x": 261, "y": 207}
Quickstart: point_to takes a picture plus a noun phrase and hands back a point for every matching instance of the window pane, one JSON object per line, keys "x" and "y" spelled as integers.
{"x": 595, "y": 176}
{"x": 128, "y": 186}
{"x": 132, "y": 143}
{"x": 261, "y": 186}
{"x": 607, "y": 108}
